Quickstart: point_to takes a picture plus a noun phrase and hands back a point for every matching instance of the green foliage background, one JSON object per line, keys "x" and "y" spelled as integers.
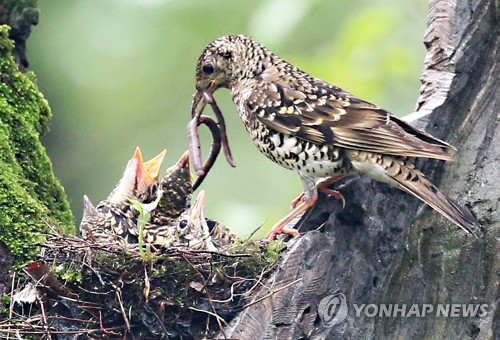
{"x": 120, "y": 73}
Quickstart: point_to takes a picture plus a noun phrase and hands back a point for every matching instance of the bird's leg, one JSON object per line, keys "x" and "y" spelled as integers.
{"x": 278, "y": 228}
{"x": 323, "y": 186}
{"x": 308, "y": 198}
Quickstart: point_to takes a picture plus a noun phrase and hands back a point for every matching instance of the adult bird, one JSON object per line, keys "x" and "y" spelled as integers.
{"x": 319, "y": 130}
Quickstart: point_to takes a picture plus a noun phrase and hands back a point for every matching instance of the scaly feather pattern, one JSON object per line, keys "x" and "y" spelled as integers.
{"x": 318, "y": 129}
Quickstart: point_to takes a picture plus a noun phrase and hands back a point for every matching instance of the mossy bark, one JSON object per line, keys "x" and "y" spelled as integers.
{"x": 31, "y": 198}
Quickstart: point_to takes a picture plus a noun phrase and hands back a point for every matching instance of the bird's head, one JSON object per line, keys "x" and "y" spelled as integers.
{"x": 177, "y": 190}
{"x": 147, "y": 179}
{"x": 177, "y": 183}
{"x": 180, "y": 170}
{"x": 226, "y": 61}
{"x": 193, "y": 221}
{"x": 137, "y": 178}
{"x": 89, "y": 216}
{"x": 193, "y": 228}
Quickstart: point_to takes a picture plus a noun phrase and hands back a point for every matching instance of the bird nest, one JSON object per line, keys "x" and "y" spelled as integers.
{"x": 82, "y": 289}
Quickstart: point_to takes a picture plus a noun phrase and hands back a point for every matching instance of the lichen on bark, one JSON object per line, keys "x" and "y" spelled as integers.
{"x": 31, "y": 198}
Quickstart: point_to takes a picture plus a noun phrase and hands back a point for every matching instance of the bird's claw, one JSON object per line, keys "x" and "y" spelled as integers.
{"x": 337, "y": 194}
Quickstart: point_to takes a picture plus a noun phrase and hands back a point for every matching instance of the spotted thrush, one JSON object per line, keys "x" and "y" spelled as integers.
{"x": 319, "y": 130}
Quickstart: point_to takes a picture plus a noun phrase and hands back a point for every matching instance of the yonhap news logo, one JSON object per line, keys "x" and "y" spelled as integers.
{"x": 448, "y": 310}
{"x": 333, "y": 309}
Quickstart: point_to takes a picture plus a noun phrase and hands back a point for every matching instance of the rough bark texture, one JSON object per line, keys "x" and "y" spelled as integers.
{"x": 384, "y": 246}
{"x": 20, "y": 15}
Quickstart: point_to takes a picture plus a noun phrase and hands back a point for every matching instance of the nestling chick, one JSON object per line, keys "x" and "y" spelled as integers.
{"x": 115, "y": 218}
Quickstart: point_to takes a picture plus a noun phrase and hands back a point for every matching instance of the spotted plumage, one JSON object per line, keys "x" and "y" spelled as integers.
{"x": 115, "y": 218}
{"x": 190, "y": 230}
{"x": 319, "y": 130}
{"x": 176, "y": 190}
{"x": 174, "y": 222}
{"x": 221, "y": 236}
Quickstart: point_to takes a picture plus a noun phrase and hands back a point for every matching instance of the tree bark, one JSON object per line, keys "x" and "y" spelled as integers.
{"x": 385, "y": 247}
{"x": 31, "y": 198}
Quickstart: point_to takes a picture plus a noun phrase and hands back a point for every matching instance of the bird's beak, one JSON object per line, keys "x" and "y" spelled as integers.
{"x": 205, "y": 94}
{"x": 139, "y": 172}
{"x": 182, "y": 163}
{"x": 152, "y": 167}
{"x": 197, "y": 96}
{"x": 197, "y": 208}
{"x": 88, "y": 207}
{"x": 138, "y": 162}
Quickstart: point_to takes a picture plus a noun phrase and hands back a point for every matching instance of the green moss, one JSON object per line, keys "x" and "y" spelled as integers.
{"x": 261, "y": 256}
{"x": 4, "y": 305}
{"x": 30, "y": 195}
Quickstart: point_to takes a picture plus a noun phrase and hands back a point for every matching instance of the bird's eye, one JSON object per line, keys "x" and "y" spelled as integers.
{"x": 183, "y": 224}
{"x": 208, "y": 68}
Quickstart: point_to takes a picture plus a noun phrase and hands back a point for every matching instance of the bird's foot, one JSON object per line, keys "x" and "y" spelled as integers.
{"x": 335, "y": 193}
{"x": 279, "y": 227}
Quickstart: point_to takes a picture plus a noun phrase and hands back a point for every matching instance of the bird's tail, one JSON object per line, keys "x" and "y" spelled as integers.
{"x": 400, "y": 172}
{"x": 415, "y": 183}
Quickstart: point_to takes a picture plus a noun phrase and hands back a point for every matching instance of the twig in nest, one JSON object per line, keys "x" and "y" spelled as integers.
{"x": 270, "y": 294}
{"x": 219, "y": 319}
{"x": 147, "y": 285}
{"x": 211, "y": 252}
{"x": 105, "y": 330}
{"x": 218, "y": 131}
{"x": 209, "y": 298}
{"x": 122, "y": 308}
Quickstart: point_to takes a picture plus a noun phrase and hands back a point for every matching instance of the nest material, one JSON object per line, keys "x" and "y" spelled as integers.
{"x": 92, "y": 290}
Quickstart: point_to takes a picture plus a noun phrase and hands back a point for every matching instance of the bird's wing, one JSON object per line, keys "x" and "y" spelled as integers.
{"x": 322, "y": 113}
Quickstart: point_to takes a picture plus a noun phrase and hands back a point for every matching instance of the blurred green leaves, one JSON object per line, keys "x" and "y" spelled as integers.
{"x": 121, "y": 73}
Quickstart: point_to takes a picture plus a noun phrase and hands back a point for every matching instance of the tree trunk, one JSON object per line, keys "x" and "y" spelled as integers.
{"x": 385, "y": 247}
{"x": 31, "y": 198}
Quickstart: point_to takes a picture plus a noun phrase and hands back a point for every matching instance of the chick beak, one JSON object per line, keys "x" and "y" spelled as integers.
{"x": 152, "y": 167}
{"x": 182, "y": 163}
{"x": 196, "y": 214}
{"x": 88, "y": 207}
{"x": 139, "y": 163}
{"x": 132, "y": 176}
